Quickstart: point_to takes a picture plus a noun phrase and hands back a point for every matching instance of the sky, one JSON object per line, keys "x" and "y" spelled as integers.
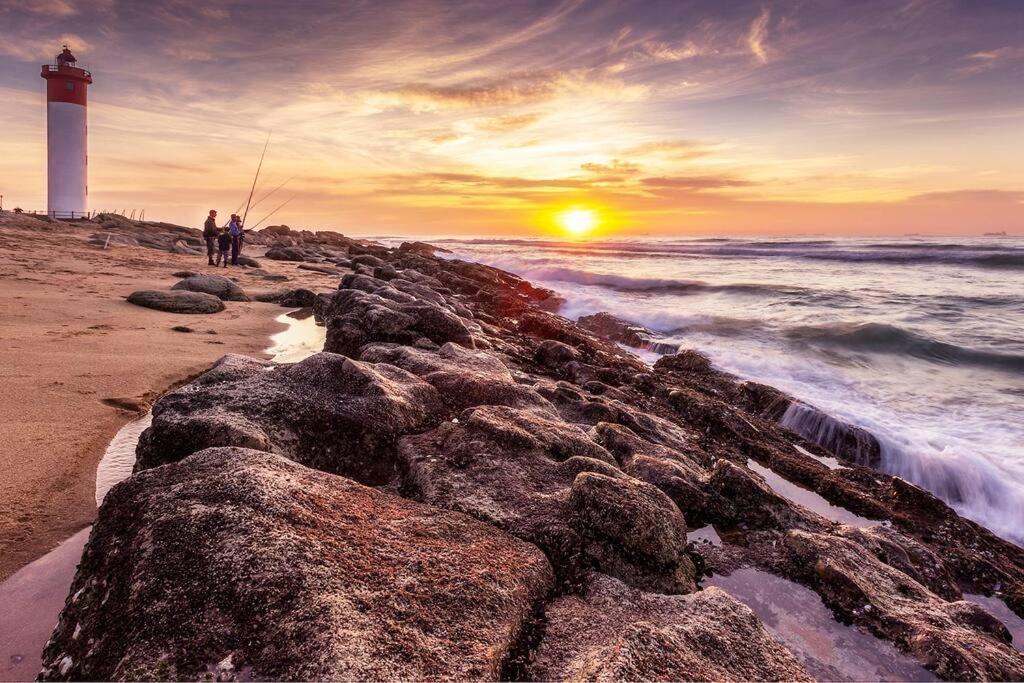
{"x": 660, "y": 118}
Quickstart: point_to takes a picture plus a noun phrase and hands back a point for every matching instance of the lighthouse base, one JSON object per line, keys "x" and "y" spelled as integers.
{"x": 66, "y": 159}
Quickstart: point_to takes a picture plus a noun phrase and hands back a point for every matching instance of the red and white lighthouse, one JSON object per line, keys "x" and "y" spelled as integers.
{"x": 67, "y": 154}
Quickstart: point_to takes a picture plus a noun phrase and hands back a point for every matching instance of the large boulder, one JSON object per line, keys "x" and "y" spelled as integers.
{"x": 355, "y": 317}
{"x": 327, "y": 412}
{"x": 179, "y": 301}
{"x": 611, "y": 632}
{"x": 545, "y": 481}
{"x": 282, "y": 253}
{"x": 217, "y": 285}
{"x": 239, "y": 565}
{"x": 290, "y": 298}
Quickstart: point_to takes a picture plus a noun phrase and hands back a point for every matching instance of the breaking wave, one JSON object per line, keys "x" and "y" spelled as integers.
{"x": 996, "y": 256}
{"x": 883, "y": 338}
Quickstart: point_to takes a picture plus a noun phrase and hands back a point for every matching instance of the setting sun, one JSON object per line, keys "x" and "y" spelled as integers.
{"x": 577, "y": 222}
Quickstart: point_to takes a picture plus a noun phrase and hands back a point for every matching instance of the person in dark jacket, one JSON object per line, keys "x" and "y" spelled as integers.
{"x": 210, "y": 234}
{"x": 223, "y": 246}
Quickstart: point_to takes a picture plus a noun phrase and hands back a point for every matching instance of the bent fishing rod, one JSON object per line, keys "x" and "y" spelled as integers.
{"x": 267, "y": 195}
{"x": 256, "y": 178}
{"x": 281, "y": 206}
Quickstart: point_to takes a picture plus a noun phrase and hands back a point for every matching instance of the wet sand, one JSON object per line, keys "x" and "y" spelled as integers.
{"x": 78, "y": 362}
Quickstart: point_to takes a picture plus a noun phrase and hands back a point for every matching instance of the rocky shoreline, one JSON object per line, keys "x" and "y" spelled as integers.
{"x": 466, "y": 485}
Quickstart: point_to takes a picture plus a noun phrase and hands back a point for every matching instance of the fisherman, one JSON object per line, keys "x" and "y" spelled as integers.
{"x": 210, "y": 234}
{"x": 224, "y": 241}
{"x": 235, "y": 228}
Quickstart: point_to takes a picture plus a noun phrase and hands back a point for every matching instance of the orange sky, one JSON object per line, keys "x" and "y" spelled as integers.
{"x": 481, "y": 118}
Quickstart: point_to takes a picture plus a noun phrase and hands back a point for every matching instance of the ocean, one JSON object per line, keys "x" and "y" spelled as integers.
{"x": 919, "y": 340}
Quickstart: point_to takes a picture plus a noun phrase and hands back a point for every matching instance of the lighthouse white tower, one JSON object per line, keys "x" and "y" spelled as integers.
{"x": 67, "y": 160}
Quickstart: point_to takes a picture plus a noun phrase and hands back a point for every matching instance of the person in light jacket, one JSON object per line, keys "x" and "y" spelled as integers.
{"x": 235, "y": 228}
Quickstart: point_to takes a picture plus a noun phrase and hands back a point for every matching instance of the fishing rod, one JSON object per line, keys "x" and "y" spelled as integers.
{"x": 267, "y": 195}
{"x": 283, "y": 204}
{"x": 260, "y": 166}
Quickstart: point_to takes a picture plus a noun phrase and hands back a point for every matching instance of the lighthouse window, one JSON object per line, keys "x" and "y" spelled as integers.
{"x": 69, "y": 86}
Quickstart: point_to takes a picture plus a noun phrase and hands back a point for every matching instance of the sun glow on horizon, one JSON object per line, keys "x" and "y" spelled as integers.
{"x": 578, "y": 222}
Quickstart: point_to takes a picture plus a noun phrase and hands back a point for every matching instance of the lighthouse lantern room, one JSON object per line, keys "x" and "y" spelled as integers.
{"x": 67, "y": 160}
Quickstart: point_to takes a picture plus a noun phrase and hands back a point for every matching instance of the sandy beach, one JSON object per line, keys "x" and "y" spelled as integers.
{"x": 79, "y": 362}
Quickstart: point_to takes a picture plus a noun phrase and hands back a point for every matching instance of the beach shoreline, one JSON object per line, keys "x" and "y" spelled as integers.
{"x": 80, "y": 362}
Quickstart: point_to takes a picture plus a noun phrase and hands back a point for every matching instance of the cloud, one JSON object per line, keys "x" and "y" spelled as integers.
{"x": 757, "y": 35}
{"x": 515, "y": 89}
{"x": 980, "y": 197}
{"x": 694, "y": 183}
{"x": 48, "y": 8}
{"x": 670, "y": 149}
{"x": 615, "y": 169}
{"x": 33, "y": 49}
{"x": 987, "y": 60}
{"x": 510, "y": 122}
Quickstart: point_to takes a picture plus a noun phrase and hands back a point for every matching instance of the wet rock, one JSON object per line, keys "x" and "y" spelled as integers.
{"x": 463, "y": 377}
{"x": 289, "y": 298}
{"x": 421, "y": 248}
{"x": 909, "y": 556}
{"x": 217, "y": 285}
{"x": 630, "y": 528}
{"x": 554, "y": 353}
{"x": 686, "y": 360}
{"x": 179, "y": 301}
{"x": 368, "y": 260}
{"x": 282, "y": 253}
{"x": 609, "y": 327}
{"x": 681, "y": 476}
{"x": 327, "y": 412}
{"x": 613, "y": 632}
{"x": 584, "y": 408}
{"x": 742, "y": 498}
{"x": 846, "y": 441}
{"x": 241, "y": 560}
{"x": 519, "y": 471}
{"x": 355, "y": 318}
{"x": 956, "y": 640}
{"x": 248, "y": 261}
{"x": 385, "y": 272}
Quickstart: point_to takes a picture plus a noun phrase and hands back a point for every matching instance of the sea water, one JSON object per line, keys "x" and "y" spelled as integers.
{"x": 919, "y": 340}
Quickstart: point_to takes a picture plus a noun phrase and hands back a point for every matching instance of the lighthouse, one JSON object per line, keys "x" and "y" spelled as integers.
{"x": 67, "y": 159}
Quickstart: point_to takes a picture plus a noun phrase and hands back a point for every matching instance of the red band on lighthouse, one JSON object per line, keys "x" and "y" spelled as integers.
{"x": 66, "y": 87}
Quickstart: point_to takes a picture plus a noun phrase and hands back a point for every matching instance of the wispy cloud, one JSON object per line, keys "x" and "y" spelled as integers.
{"x": 758, "y": 35}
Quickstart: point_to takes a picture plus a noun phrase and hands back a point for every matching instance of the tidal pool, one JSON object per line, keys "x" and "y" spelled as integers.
{"x": 809, "y": 499}
{"x": 829, "y": 650}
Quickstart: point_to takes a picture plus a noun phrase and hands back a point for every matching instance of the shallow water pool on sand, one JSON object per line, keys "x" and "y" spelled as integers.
{"x": 32, "y": 598}
{"x": 828, "y": 649}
